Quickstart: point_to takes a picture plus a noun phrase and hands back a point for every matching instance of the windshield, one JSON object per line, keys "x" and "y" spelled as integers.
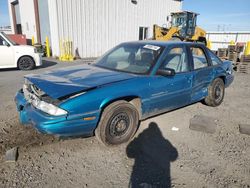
{"x": 8, "y": 38}
{"x": 131, "y": 57}
{"x": 179, "y": 20}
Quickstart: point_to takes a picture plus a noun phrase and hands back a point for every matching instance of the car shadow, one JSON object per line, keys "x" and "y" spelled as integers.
{"x": 152, "y": 154}
{"x": 8, "y": 69}
{"x": 47, "y": 64}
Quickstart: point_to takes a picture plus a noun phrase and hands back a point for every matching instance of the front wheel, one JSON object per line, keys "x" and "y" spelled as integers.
{"x": 118, "y": 124}
{"x": 26, "y": 63}
{"x": 216, "y": 92}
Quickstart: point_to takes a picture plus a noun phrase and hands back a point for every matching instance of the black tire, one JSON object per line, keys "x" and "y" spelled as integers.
{"x": 118, "y": 123}
{"x": 26, "y": 63}
{"x": 216, "y": 92}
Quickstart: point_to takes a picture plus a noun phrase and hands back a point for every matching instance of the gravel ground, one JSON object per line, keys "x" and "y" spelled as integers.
{"x": 157, "y": 156}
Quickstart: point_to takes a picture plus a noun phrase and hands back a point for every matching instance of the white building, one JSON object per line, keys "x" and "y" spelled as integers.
{"x": 221, "y": 39}
{"x": 6, "y": 30}
{"x": 94, "y": 26}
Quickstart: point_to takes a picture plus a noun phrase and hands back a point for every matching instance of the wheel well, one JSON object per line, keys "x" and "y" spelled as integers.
{"x": 223, "y": 78}
{"x": 26, "y": 56}
{"x": 134, "y": 100}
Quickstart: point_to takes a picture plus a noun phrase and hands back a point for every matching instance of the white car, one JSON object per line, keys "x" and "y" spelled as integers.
{"x": 13, "y": 55}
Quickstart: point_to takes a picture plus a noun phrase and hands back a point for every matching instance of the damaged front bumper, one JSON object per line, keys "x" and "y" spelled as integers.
{"x": 68, "y": 125}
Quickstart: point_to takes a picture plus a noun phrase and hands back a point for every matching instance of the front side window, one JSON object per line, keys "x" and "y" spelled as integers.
{"x": 215, "y": 60}
{"x": 1, "y": 41}
{"x": 177, "y": 60}
{"x": 135, "y": 58}
{"x": 8, "y": 38}
{"x": 199, "y": 57}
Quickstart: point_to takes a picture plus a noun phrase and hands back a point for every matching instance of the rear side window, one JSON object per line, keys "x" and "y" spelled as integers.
{"x": 177, "y": 60}
{"x": 215, "y": 60}
{"x": 199, "y": 57}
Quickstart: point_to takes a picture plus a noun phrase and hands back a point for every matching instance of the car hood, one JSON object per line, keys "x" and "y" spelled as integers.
{"x": 72, "y": 80}
{"x": 24, "y": 48}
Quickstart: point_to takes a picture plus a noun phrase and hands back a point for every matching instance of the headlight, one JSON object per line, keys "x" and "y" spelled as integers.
{"x": 48, "y": 108}
{"x": 42, "y": 105}
{"x": 26, "y": 81}
{"x": 35, "y": 50}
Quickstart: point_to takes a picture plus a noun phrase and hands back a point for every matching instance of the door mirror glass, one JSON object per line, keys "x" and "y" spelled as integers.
{"x": 166, "y": 72}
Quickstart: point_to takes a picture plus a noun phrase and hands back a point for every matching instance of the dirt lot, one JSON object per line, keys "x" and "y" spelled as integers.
{"x": 158, "y": 155}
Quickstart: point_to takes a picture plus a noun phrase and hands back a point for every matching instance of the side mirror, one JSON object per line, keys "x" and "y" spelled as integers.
{"x": 166, "y": 72}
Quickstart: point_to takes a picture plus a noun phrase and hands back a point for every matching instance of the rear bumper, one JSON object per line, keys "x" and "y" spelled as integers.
{"x": 55, "y": 125}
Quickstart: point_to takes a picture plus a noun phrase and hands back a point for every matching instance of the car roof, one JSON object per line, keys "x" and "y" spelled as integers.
{"x": 162, "y": 43}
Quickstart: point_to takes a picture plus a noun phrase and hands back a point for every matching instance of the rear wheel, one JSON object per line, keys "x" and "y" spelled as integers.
{"x": 26, "y": 63}
{"x": 216, "y": 92}
{"x": 118, "y": 124}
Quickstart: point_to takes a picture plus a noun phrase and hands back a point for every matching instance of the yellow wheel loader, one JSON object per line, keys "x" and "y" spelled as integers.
{"x": 183, "y": 28}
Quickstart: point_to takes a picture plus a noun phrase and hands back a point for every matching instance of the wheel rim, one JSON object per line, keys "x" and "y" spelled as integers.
{"x": 25, "y": 63}
{"x": 119, "y": 125}
{"x": 218, "y": 92}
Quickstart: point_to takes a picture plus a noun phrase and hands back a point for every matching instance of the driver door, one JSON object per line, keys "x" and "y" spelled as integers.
{"x": 6, "y": 54}
{"x": 170, "y": 92}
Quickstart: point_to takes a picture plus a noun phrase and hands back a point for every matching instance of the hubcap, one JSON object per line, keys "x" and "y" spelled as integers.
{"x": 119, "y": 124}
{"x": 25, "y": 63}
{"x": 218, "y": 93}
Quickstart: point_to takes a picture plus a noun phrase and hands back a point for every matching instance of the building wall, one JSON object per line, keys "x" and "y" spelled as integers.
{"x": 223, "y": 39}
{"x": 7, "y": 31}
{"x": 27, "y": 18}
{"x": 10, "y": 15}
{"x": 95, "y": 26}
{"x": 44, "y": 20}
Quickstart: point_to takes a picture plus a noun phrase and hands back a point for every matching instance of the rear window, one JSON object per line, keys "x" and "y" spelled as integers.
{"x": 215, "y": 60}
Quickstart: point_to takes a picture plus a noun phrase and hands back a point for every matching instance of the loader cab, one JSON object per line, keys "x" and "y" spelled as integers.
{"x": 186, "y": 22}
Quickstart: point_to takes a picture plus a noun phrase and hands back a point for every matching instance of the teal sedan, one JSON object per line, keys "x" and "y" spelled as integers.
{"x": 131, "y": 82}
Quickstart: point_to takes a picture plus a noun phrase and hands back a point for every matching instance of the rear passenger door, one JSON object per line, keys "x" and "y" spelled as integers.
{"x": 202, "y": 72}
